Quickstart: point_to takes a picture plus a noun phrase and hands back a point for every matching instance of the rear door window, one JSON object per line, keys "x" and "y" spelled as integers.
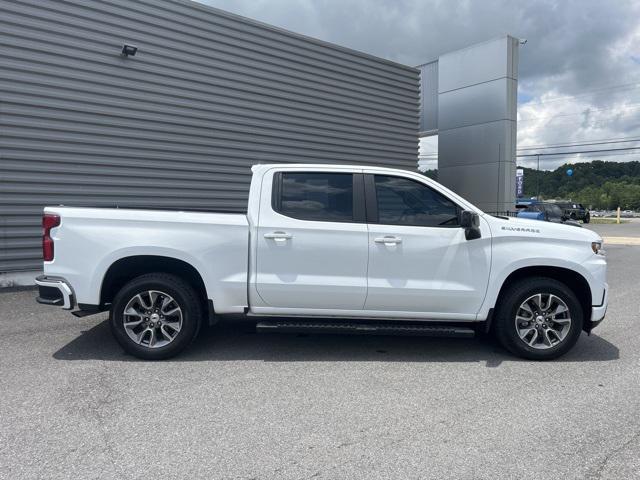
{"x": 317, "y": 196}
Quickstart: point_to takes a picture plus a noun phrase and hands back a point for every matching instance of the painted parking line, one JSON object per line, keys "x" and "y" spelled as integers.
{"x": 621, "y": 240}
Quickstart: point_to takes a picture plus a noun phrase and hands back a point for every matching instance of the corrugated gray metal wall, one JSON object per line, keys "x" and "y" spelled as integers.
{"x": 177, "y": 126}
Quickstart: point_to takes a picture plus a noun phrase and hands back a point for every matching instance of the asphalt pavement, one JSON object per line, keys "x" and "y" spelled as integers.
{"x": 630, "y": 228}
{"x": 240, "y": 405}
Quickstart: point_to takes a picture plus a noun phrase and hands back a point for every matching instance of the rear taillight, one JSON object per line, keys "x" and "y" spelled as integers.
{"x": 49, "y": 220}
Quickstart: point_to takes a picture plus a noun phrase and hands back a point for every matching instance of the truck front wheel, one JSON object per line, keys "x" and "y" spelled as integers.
{"x": 538, "y": 318}
{"x": 155, "y": 316}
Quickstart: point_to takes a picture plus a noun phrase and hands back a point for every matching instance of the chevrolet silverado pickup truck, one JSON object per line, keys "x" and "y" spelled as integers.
{"x": 326, "y": 248}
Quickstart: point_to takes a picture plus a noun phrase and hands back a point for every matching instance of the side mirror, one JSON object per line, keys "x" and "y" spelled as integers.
{"x": 470, "y": 221}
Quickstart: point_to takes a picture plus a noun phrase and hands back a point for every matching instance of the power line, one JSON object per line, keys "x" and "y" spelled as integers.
{"x": 605, "y": 151}
{"x": 577, "y": 143}
{"x": 593, "y": 122}
{"x": 588, "y": 156}
{"x": 578, "y": 152}
{"x": 600, "y": 141}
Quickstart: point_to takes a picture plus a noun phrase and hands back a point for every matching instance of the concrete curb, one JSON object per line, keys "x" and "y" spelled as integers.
{"x": 621, "y": 241}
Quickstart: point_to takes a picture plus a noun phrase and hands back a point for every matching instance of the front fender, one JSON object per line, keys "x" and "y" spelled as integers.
{"x": 504, "y": 265}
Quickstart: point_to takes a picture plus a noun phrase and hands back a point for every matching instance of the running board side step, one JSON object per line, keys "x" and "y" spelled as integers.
{"x": 423, "y": 330}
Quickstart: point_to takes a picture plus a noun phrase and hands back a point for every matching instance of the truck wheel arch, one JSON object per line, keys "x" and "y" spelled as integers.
{"x": 127, "y": 268}
{"x": 572, "y": 279}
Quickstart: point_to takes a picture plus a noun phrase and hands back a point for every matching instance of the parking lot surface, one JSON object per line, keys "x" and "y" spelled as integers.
{"x": 239, "y": 405}
{"x": 630, "y": 228}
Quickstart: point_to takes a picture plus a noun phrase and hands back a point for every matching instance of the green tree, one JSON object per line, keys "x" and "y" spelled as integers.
{"x": 597, "y": 184}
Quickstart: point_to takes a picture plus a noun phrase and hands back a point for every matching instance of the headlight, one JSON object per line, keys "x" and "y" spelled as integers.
{"x": 597, "y": 248}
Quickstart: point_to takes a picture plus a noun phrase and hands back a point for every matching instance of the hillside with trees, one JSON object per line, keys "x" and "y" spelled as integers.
{"x": 597, "y": 184}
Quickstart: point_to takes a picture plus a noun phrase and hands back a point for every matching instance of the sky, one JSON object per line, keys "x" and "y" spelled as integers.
{"x": 579, "y": 72}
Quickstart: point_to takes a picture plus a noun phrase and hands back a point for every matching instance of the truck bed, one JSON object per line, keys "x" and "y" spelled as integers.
{"x": 92, "y": 239}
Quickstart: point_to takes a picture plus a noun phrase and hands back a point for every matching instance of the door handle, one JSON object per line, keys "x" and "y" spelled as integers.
{"x": 278, "y": 236}
{"x": 388, "y": 240}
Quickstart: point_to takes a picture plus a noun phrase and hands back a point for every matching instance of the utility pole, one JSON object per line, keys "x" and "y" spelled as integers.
{"x": 538, "y": 179}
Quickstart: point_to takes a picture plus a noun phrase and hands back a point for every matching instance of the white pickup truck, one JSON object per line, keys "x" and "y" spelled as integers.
{"x": 328, "y": 248}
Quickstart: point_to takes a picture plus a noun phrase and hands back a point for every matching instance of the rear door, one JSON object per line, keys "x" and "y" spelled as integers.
{"x": 420, "y": 263}
{"x": 311, "y": 242}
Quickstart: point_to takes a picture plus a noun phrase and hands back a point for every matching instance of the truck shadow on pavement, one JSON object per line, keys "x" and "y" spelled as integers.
{"x": 238, "y": 341}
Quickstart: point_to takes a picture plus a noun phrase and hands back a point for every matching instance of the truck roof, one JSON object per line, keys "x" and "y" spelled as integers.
{"x": 264, "y": 166}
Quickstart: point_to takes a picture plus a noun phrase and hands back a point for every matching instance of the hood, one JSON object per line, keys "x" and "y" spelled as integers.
{"x": 512, "y": 226}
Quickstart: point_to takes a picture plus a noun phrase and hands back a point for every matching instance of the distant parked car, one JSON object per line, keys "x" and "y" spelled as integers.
{"x": 549, "y": 212}
{"x": 525, "y": 202}
{"x": 575, "y": 211}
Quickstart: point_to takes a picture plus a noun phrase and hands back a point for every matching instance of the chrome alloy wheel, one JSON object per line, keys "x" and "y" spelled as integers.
{"x": 543, "y": 321}
{"x": 152, "y": 319}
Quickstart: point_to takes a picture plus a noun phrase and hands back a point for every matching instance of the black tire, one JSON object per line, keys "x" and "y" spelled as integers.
{"x": 185, "y": 297}
{"x": 507, "y": 308}
{"x": 587, "y": 218}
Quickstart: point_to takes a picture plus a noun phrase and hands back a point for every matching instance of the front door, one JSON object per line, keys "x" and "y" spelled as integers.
{"x": 312, "y": 242}
{"x": 420, "y": 262}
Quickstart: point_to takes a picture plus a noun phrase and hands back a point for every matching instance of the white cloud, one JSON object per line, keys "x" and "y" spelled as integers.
{"x": 428, "y": 153}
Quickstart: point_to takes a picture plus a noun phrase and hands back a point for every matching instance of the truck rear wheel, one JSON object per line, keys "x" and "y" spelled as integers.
{"x": 155, "y": 316}
{"x": 538, "y": 319}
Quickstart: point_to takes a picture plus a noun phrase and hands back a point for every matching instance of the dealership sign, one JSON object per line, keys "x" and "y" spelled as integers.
{"x": 519, "y": 182}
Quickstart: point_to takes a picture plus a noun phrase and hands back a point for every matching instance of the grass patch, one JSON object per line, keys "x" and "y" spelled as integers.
{"x": 607, "y": 221}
